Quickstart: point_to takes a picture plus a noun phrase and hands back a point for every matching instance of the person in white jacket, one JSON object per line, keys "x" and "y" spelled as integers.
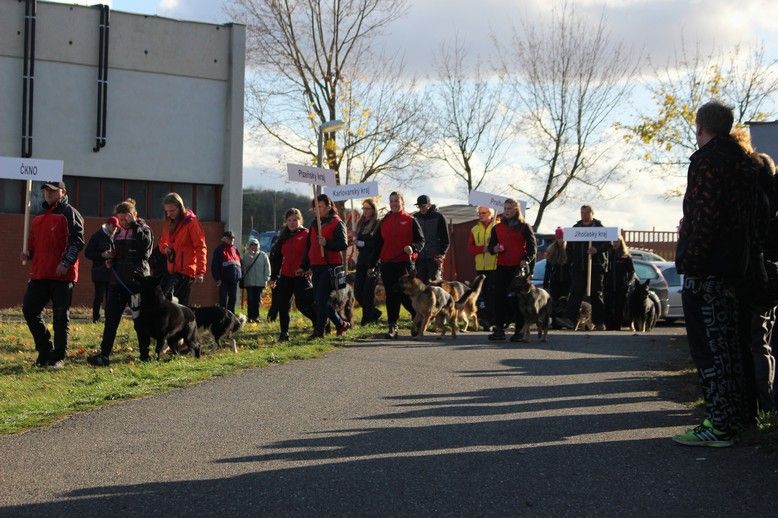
{"x": 255, "y": 266}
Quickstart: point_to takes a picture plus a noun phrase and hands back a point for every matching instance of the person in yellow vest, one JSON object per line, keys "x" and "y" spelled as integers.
{"x": 485, "y": 263}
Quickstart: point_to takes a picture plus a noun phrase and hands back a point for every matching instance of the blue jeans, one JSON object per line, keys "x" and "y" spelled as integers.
{"x": 322, "y": 288}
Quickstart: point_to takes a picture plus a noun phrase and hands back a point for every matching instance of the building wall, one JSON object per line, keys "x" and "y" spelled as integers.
{"x": 174, "y": 110}
{"x": 14, "y": 280}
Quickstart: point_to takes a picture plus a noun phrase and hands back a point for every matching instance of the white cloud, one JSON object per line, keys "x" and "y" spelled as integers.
{"x": 168, "y": 6}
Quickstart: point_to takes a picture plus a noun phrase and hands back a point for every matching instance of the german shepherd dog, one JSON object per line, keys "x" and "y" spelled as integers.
{"x": 467, "y": 303}
{"x": 454, "y": 288}
{"x": 343, "y": 300}
{"x": 221, "y": 323}
{"x": 164, "y": 321}
{"x": 429, "y": 302}
{"x": 642, "y": 310}
{"x": 534, "y": 304}
{"x": 584, "y": 317}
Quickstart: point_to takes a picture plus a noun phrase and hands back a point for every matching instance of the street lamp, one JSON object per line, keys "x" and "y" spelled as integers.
{"x": 327, "y": 127}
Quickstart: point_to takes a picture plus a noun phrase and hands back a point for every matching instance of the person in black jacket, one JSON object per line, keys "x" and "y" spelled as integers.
{"x": 621, "y": 272}
{"x": 367, "y": 241}
{"x": 98, "y": 250}
{"x": 129, "y": 264}
{"x": 436, "y": 240}
{"x": 578, "y": 254}
{"x": 712, "y": 253}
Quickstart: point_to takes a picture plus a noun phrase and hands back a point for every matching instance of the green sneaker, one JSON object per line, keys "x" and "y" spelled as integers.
{"x": 704, "y": 435}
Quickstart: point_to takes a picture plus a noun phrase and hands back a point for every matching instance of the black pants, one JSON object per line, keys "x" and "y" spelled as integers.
{"x": 616, "y": 307}
{"x": 101, "y": 288}
{"x": 285, "y": 288}
{"x": 228, "y": 294}
{"x": 364, "y": 291}
{"x": 427, "y": 269}
{"x": 322, "y": 287}
{"x": 179, "y": 285}
{"x": 253, "y": 300}
{"x": 710, "y": 313}
{"x": 117, "y": 300}
{"x": 755, "y": 328}
{"x": 39, "y": 293}
{"x": 501, "y": 283}
{"x": 485, "y": 301}
{"x": 578, "y": 293}
{"x": 390, "y": 274}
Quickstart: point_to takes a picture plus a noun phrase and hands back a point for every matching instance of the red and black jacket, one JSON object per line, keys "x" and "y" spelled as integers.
{"x": 517, "y": 238}
{"x": 56, "y": 236}
{"x": 291, "y": 252}
{"x": 398, "y": 230}
{"x": 334, "y": 231}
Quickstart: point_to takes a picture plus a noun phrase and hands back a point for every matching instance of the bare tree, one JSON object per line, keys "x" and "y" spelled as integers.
{"x": 471, "y": 125}
{"x": 567, "y": 77}
{"x": 744, "y": 78}
{"x": 312, "y": 62}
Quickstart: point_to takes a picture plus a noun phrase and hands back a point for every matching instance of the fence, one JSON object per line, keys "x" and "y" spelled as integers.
{"x": 660, "y": 242}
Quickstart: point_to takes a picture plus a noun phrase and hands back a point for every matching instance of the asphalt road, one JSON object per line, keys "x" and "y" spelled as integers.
{"x": 578, "y": 427}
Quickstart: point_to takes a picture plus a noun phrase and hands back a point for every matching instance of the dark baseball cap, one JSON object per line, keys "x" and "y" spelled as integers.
{"x": 229, "y": 233}
{"x": 53, "y": 185}
{"x": 422, "y": 200}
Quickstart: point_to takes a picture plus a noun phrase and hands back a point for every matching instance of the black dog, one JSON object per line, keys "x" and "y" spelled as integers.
{"x": 220, "y": 322}
{"x": 343, "y": 302}
{"x": 164, "y": 321}
{"x": 642, "y": 310}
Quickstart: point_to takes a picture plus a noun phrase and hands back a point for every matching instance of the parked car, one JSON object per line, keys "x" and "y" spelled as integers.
{"x": 646, "y": 255}
{"x": 649, "y": 271}
{"x": 538, "y": 273}
{"x": 675, "y": 285}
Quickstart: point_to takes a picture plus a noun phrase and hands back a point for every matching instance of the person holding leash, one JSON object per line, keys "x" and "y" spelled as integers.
{"x": 129, "y": 264}
{"x": 288, "y": 279}
{"x": 400, "y": 239}
{"x": 183, "y": 242}
{"x": 513, "y": 242}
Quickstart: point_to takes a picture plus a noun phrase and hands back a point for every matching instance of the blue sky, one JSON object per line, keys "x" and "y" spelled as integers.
{"x": 653, "y": 26}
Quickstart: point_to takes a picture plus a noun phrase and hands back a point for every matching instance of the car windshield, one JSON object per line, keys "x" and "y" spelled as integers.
{"x": 645, "y": 271}
{"x": 671, "y": 276}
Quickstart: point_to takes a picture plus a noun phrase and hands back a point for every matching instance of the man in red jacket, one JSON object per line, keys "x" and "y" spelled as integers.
{"x": 56, "y": 238}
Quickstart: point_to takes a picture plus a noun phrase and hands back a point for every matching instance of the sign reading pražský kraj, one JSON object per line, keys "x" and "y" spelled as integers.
{"x": 352, "y": 191}
{"x": 312, "y": 175}
{"x": 35, "y": 169}
{"x": 592, "y": 234}
{"x": 493, "y": 201}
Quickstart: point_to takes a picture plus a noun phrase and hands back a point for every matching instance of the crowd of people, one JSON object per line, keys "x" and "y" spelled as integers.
{"x": 729, "y": 293}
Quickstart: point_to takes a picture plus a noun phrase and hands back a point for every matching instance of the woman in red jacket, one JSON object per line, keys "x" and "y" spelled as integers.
{"x": 323, "y": 254}
{"x": 183, "y": 242}
{"x": 513, "y": 242}
{"x": 400, "y": 238}
{"x": 290, "y": 246}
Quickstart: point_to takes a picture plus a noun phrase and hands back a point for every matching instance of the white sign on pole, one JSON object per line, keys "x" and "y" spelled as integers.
{"x": 35, "y": 169}
{"x": 493, "y": 201}
{"x": 312, "y": 175}
{"x": 352, "y": 191}
{"x": 592, "y": 234}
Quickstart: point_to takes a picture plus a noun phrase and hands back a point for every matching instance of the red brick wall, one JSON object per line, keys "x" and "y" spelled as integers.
{"x": 14, "y": 278}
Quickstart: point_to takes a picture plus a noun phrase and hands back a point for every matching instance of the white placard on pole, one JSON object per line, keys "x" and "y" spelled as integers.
{"x": 493, "y": 201}
{"x": 34, "y": 169}
{"x": 592, "y": 234}
{"x": 352, "y": 191}
{"x": 312, "y": 175}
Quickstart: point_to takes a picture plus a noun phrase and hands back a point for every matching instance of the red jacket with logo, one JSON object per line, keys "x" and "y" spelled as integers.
{"x": 293, "y": 251}
{"x": 398, "y": 230}
{"x": 56, "y": 236}
{"x": 334, "y": 231}
{"x": 517, "y": 238}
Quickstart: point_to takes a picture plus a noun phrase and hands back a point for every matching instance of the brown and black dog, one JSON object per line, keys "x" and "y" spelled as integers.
{"x": 534, "y": 304}
{"x": 429, "y": 302}
{"x": 467, "y": 303}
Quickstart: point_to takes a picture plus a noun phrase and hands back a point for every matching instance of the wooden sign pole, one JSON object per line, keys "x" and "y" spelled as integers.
{"x": 589, "y": 272}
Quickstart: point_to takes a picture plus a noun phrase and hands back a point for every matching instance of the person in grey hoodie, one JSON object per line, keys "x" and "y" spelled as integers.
{"x": 436, "y": 241}
{"x": 255, "y": 265}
